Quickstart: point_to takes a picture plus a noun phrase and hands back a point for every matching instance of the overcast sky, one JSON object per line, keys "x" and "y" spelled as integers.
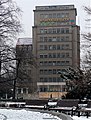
{"x": 27, "y": 6}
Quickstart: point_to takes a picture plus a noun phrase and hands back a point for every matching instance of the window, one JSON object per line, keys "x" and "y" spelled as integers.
{"x": 66, "y": 14}
{"x": 58, "y": 15}
{"x": 41, "y": 16}
{"x": 41, "y": 90}
{"x": 45, "y": 39}
{"x": 54, "y": 30}
{"x": 58, "y": 62}
{"x": 54, "y": 79}
{"x": 41, "y": 63}
{"x": 50, "y": 55}
{"x": 58, "y": 55}
{"x": 50, "y": 39}
{"x": 54, "y": 47}
{"x": 45, "y": 79}
{"x": 62, "y": 15}
{"x": 54, "y": 55}
{"x": 50, "y": 79}
{"x": 67, "y": 54}
{"x": 45, "y": 89}
{"x": 50, "y": 15}
{"x": 67, "y": 30}
{"x": 50, "y": 63}
{"x": 24, "y": 90}
{"x": 67, "y": 62}
{"x": 63, "y": 88}
{"x": 45, "y": 47}
{"x": 45, "y": 63}
{"x": 41, "y": 31}
{"x": 54, "y": 39}
{"x": 54, "y": 71}
{"x": 58, "y": 30}
{"x": 58, "y": 79}
{"x": 41, "y": 79}
{"x": 50, "y": 71}
{"x": 42, "y": 24}
{"x": 45, "y": 31}
{"x": 45, "y": 56}
{"x": 63, "y": 62}
{"x": 67, "y": 38}
{"x": 49, "y": 31}
{"x": 59, "y": 23}
{"x": 58, "y": 39}
{"x": 58, "y": 70}
{"x": 41, "y": 47}
{"x": 29, "y": 90}
{"x": 45, "y": 71}
{"x": 46, "y": 16}
{"x": 54, "y": 63}
{"x": 58, "y": 47}
{"x": 41, "y": 39}
{"x": 62, "y": 55}
{"x": 62, "y": 30}
{"x": 50, "y": 47}
{"x": 62, "y": 46}
{"x": 41, "y": 71}
{"x": 54, "y": 15}
{"x": 67, "y": 46}
{"x": 62, "y": 38}
{"x": 41, "y": 56}
{"x": 19, "y": 90}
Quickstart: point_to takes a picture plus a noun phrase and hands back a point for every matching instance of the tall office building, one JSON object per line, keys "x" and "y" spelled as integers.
{"x": 56, "y": 46}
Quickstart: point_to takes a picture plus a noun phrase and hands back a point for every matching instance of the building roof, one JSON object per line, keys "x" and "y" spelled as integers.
{"x": 55, "y": 7}
{"x": 24, "y": 41}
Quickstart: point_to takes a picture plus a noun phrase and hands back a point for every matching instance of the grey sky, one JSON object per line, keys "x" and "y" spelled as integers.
{"x": 28, "y": 6}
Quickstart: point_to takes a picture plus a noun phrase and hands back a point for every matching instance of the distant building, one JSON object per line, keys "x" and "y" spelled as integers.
{"x": 56, "y": 45}
{"x": 25, "y": 86}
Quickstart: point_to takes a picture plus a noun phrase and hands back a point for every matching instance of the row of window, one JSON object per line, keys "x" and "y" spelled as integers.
{"x": 53, "y": 88}
{"x": 55, "y": 31}
{"x": 49, "y": 71}
{"x": 54, "y": 39}
{"x": 55, "y": 55}
{"x": 54, "y": 63}
{"x": 51, "y": 79}
{"x": 54, "y": 47}
{"x": 23, "y": 90}
{"x": 24, "y": 48}
{"x": 54, "y": 23}
{"x": 54, "y": 15}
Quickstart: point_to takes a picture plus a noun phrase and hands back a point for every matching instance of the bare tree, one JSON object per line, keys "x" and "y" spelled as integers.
{"x": 9, "y": 21}
{"x": 9, "y": 28}
{"x": 86, "y": 60}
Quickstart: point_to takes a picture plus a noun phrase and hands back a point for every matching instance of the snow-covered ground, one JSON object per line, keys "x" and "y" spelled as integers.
{"x": 81, "y": 118}
{"x": 14, "y": 114}
{"x": 24, "y": 114}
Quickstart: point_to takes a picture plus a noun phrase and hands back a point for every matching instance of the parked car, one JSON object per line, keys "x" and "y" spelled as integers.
{"x": 51, "y": 103}
{"x": 82, "y": 103}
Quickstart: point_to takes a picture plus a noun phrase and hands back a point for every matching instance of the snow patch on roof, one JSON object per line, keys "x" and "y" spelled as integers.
{"x": 24, "y": 41}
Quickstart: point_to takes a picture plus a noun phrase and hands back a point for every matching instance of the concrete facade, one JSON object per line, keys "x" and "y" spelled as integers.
{"x": 56, "y": 46}
{"x": 26, "y": 86}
